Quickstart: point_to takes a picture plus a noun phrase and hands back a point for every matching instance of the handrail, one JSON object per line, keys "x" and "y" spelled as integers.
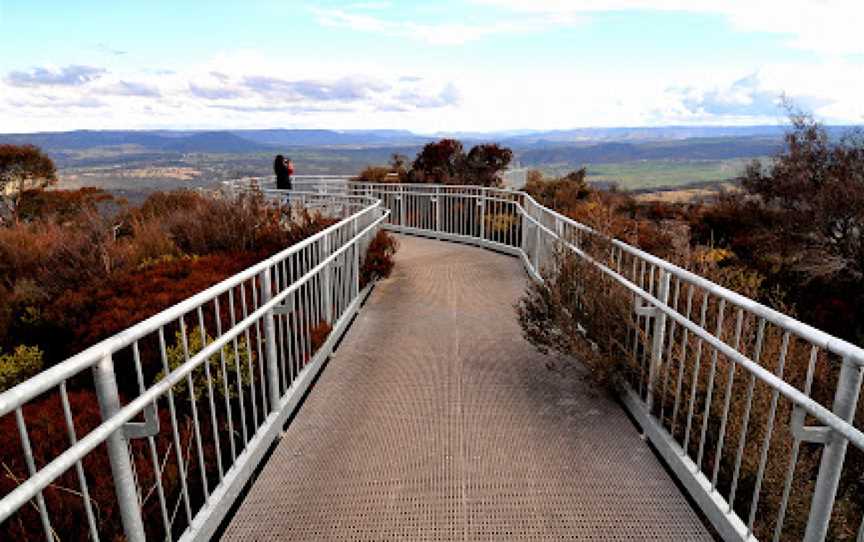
{"x": 529, "y": 229}
{"x": 272, "y": 308}
{"x": 803, "y": 330}
{"x": 67, "y": 459}
{"x": 275, "y": 304}
{"x": 51, "y": 377}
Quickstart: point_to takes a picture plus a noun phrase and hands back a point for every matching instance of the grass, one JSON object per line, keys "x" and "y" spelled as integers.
{"x": 644, "y": 174}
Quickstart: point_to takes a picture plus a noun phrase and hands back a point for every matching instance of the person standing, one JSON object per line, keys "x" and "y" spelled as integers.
{"x": 284, "y": 169}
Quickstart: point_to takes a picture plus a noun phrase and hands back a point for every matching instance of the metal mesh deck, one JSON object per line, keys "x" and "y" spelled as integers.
{"x": 436, "y": 420}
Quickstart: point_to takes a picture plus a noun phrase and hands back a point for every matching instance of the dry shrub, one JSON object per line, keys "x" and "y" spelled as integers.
{"x": 67, "y": 284}
{"x": 378, "y": 262}
{"x": 150, "y": 241}
{"x": 377, "y": 174}
{"x": 318, "y": 336}
{"x": 65, "y": 206}
{"x": 560, "y": 193}
{"x": 62, "y": 497}
{"x": 199, "y": 224}
{"x": 74, "y": 283}
{"x": 574, "y": 311}
{"x": 580, "y": 312}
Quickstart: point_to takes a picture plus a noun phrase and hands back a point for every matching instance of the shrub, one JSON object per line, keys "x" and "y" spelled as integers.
{"x": 378, "y": 262}
{"x": 237, "y": 362}
{"x": 318, "y": 335}
{"x": 562, "y": 193}
{"x": 96, "y": 311}
{"x": 572, "y": 312}
{"x": 66, "y": 205}
{"x": 19, "y": 365}
{"x": 377, "y": 174}
{"x": 48, "y": 436}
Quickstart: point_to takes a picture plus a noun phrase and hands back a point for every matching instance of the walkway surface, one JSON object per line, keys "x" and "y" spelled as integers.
{"x": 436, "y": 420}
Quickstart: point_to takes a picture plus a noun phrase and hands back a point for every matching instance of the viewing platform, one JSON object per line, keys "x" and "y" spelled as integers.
{"x": 305, "y": 398}
{"x": 435, "y": 420}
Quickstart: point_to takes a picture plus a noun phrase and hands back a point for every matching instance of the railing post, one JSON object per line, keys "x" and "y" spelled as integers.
{"x": 402, "y": 221}
{"x": 524, "y": 233}
{"x": 118, "y": 452}
{"x": 659, "y": 336}
{"x": 356, "y": 259}
{"x": 270, "y": 341}
{"x": 327, "y": 293}
{"x": 482, "y": 205}
{"x": 438, "y": 209}
{"x": 834, "y": 453}
{"x": 537, "y": 248}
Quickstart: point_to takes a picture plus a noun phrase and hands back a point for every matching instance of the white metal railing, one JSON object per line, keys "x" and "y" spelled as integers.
{"x": 674, "y": 392}
{"x": 319, "y": 184}
{"x": 192, "y": 398}
{"x": 683, "y": 355}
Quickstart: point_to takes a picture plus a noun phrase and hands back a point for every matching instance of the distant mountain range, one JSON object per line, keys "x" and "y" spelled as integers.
{"x": 271, "y": 140}
{"x": 357, "y": 147}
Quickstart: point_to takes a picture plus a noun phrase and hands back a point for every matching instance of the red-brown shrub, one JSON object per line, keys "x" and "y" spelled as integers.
{"x": 66, "y": 205}
{"x": 378, "y": 262}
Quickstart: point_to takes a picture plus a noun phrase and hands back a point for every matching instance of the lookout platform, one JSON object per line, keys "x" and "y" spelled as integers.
{"x": 436, "y": 420}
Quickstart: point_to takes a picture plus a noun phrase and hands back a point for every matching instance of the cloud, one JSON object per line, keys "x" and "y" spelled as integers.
{"x": 448, "y": 96}
{"x": 68, "y": 76}
{"x": 292, "y": 109}
{"x": 742, "y": 98}
{"x": 346, "y": 89}
{"x": 130, "y": 88}
{"x": 393, "y": 108}
{"x": 46, "y": 102}
{"x": 826, "y": 26}
{"x": 214, "y": 93}
{"x": 745, "y": 97}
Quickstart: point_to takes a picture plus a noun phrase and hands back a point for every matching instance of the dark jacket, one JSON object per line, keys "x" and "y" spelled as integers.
{"x": 283, "y": 177}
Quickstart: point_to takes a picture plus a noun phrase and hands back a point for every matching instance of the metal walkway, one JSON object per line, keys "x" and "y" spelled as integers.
{"x": 436, "y": 420}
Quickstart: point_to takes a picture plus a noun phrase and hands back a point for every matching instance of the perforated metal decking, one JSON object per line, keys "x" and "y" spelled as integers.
{"x": 436, "y": 420}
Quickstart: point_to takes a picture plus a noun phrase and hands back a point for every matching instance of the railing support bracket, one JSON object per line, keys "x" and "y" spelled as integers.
{"x": 804, "y": 433}
{"x": 148, "y": 428}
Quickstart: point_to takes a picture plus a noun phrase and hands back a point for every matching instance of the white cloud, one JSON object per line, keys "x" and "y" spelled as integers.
{"x": 825, "y": 26}
{"x": 223, "y": 92}
{"x": 67, "y": 76}
{"x": 245, "y": 89}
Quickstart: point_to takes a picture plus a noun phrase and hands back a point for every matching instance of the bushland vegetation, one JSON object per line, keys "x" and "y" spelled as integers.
{"x": 79, "y": 266}
{"x": 444, "y": 162}
{"x": 791, "y": 239}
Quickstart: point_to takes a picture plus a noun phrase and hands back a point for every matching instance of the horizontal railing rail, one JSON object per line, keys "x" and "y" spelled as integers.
{"x": 722, "y": 385}
{"x": 718, "y": 434}
{"x": 189, "y": 399}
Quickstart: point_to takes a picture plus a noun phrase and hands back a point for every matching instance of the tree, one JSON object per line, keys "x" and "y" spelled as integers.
{"x": 22, "y": 168}
{"x": 484, "y": 163}
{"x": 800, "y": 222}
{"x": 445, "y": 162}
{"x": 398, "y": 164}
{"x": 440, "y": 162}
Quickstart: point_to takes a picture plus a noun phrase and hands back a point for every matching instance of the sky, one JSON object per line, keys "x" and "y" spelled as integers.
{"x": 426, "y": 66}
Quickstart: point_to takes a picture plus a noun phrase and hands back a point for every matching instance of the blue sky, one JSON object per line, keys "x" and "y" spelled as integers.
{"x": 477, "y": 65}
